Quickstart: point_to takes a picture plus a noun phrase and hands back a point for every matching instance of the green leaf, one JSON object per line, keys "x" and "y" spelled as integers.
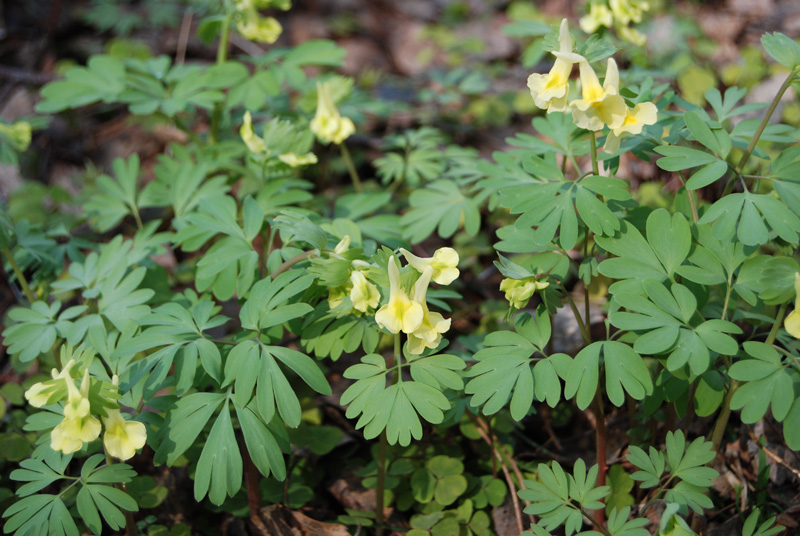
{"x": 36, "y": 474}
{"x": 707, "y": 175}
{"x": 261, "y": 444}
{"x": 34, "y": 332}
{"x": 266, "y": 305}
{"x": 219, "y": 469}
{"x": 297, "y": 227}
{"x": 635, "y": 256}
{"x": 767, "y": 528}
{"x": 782, "y": 49}
{"x": 624, "y": 369}
{"x": 768, "y": 382}
{"x": 252, "y": 91}
{"x": 678, "y": 158}
{"x": 100, "y": 80}
{"x": 669, "y": 237}
{"x": 396, "y": 409}
{"x": 116, "y": 198}
{"x": 440, "y": 206}
{"x": 39, "y": 514}
{"x": 702, "y": 133}
{"x": 184, "y": 423}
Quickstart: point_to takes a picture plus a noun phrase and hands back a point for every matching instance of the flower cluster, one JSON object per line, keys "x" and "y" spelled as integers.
{"x": 405, "y": 311}
{"x": 600, "y": 106}
{"x": 328, "y": 124}
{"x": 18, "y": 134}
{"x": 252, "y": 26}
{"x": 619, "y": 14}
{"x": 80, "y": 423}
{"x": 519, "y": 291}
{"x": 410, "y": 313}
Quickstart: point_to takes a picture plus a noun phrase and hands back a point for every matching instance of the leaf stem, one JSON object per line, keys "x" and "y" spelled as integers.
{"x": 20, "y": 276}
{"x": 294, "y": 260}
{"x": 253, "y": 493}
{"x": 773, "y": 333}
{"x": 587, "y": 338}
{"x": 690, "y": 195}
{"x": 381, "y": 484}
{"x": 774, "y": 104}
{"x": 348, "y": 161}
{"x": 600, "y": 442}
{"x": 593, "y": 141}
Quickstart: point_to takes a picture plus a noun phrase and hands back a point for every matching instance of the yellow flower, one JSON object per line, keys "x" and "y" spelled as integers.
{"x": 644, "y": 113}
{"x": 792, "y": 322}
{"x": 627, "y": 11}
{"x": 401, "y": 313}
{"x": 600, "y": 105}
{"x": 336, "y": 295}
{"x": 429, "y": 332}
{"x": 294, "y": 160}
{"x": 328, "y": 125}
{"x": 122, "y": 438}
{"x": 253, "y": 142}
{"x": 78, "y": 425}
{"x": 444, "y": 264}
{"x": 254, "y": 27}
{"x": 364, "y": 294}
{"x": 343, "y": 245}
{"x": 632, "y": 35}
{"x": 519, "y": 291}
{"x": 39, "y": 394}
{"x": 550, "y": 91}
{"x": 599, "y": 15}
{"x": 18, "y": 135}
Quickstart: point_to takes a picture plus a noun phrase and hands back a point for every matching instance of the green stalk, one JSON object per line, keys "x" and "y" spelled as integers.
{"x": 725, "y": 412}
{"x": 20, "y": 276}
{"x": 595, "y": 167}
{"x": 348, "y": 161}
{"x": 600, "y": 446}
{"x": 774, "y": 104}
{"x": 381, "y": 485}
{"x": 222, "y": 57}
{"x": 291, "y": 262}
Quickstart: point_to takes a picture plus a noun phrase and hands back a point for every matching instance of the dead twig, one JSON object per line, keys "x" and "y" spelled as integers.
{"x": 772, "y": 455}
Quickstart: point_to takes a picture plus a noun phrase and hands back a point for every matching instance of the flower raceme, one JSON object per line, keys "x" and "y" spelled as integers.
{"x": 78, "y": 426}
{"x": 601, "y": 105}
{"x": 550, "y": 91}
{"x": 328, "y": 125}
{"x": 401, "y": 313}
{"x": 121, "y": 438}
{"x": 252, "y": 26}
{"x": 519, "y": 291}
